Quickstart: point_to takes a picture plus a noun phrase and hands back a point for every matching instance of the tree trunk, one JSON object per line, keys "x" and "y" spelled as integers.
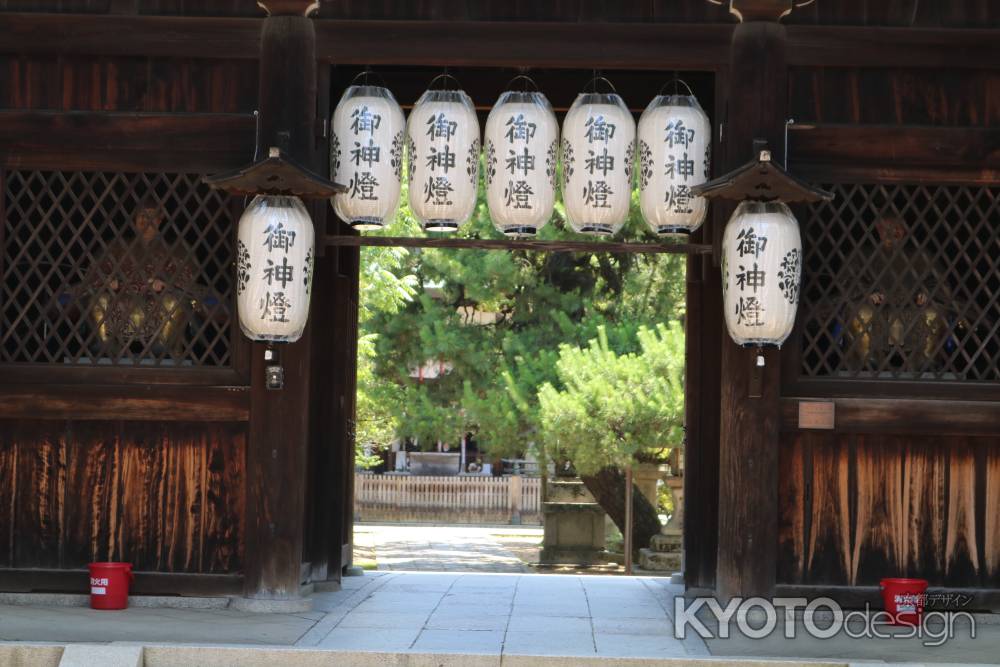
{"x": 608, "y": 489}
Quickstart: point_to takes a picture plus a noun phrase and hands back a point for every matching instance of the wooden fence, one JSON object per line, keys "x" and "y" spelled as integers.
{"x": 512, "y": 499}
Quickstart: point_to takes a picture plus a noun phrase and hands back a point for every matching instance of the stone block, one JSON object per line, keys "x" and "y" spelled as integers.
{"x": 667, "y": 543}
{"x": 101, "y": 655}
{"x": 659, "y": 562}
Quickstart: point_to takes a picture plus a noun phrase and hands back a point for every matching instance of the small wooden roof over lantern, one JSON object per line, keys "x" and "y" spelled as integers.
{"x": 761, "y": 179}
{"x": 277, "y": 174}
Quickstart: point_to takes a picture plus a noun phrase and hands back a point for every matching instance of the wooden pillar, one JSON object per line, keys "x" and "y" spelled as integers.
{"x": 279, "y": 418}
{"x": 748, "y": 454}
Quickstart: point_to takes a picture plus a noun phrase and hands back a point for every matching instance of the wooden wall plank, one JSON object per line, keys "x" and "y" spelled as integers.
{"x": 879, "y": 540}
{"x": 991, "y": 531}
{"x": 40, "y": 488}
{"x": 827, "y": 522}
{"x": 93, "y": 478}
{"x": 125, "y": 142}
{"x": 8, "y": 496}
{"x": 924, "y": 502}
{"x": 792, "y": 505}
{"x": 962, "y": 561}
{"x": 224, "y": 501}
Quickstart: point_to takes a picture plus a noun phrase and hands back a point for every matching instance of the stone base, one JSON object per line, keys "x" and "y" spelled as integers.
{"x": 677, "y": 578}
{"x": 667, "y": 543}
{"x": 354, "y": 571}
{"x": 91, "y": 655}
{"x": 659, "y": 561}
{"x": 567, "y": 491}
{"x": 329, "y": 586}
{"x": 83, "y": 600}
{"x": 270, "y": 606}
{"x": 571, "y": 557}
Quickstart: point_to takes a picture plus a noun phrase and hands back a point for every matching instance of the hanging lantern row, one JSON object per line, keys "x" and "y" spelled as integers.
{"x": 522, "y": 149}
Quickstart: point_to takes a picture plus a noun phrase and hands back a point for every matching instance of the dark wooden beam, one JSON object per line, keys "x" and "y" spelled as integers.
{"x": 151, "y": 36}
{"x": 748, "y": 451}
{"x": 517, "y": 244}
{"x": 854, "y": 46}
{"x": 143, "y": 403}
{"x": 904, "y": 416}
{"x": 29, "y": 375}
{"x": 846, "y": 153}
{"x": 89, "y": 141}
{"x": 662, "y": 46}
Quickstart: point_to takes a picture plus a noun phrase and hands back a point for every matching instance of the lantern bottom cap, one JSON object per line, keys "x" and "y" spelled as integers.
{"x": 677, "y": 232}
{"x": 519, "y": 230}
{"x": 753, "y": 345}
{"x": 367, "y": 224}
{"x": 269, "y": 338}
{"x": 597, "y": 230}
{"x": 440, "y": 226}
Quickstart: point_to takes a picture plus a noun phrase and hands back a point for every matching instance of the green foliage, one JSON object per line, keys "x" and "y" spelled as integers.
{"x": 501, "y": 322}
{"x": 611, "y": 407}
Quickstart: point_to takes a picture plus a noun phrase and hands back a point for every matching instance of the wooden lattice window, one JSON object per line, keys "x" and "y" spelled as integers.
{"x": 115, "y": 269}
{"x": 902, "y": 282}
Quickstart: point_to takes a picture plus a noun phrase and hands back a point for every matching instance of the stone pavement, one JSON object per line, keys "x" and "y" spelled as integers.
{"x": 432, "y": 548}
{"x": 496, "y": 614}
{"x": 415, "y": 618}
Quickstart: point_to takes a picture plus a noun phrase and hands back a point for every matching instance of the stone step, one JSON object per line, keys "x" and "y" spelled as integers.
{"x": 667, "y": 543}
{"x": 659, "y": 562}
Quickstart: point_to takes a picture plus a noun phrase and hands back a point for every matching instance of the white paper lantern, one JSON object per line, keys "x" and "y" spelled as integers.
{"x": 521, "y": 146}
{"x": 366, "y": 155}
{"x": 443, "y": 139}
{"x": 598, "y": 149}
{"x": 274, "y": 262}
{"x": 761, "y": 273}
{"x": 674, "y": 147}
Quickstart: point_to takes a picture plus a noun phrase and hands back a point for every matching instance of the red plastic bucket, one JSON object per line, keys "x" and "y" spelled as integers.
{"x": 109, "y": 585}
{"x": 904, "y": 600}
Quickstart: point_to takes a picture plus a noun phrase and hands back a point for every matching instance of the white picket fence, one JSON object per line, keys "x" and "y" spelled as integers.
{"x": 472, "y": 499}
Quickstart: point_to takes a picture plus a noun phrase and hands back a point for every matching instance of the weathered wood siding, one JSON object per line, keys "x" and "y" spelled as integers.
{"x": 856, "y": 508}
{"x": 164, "y": 496}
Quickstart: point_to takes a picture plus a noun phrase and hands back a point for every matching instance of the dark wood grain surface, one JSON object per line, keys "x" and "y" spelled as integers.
{"x": 164, "y": 496}
{"x": 859, "y": 507}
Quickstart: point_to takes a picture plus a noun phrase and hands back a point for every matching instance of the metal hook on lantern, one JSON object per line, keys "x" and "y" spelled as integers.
{"x": 592, "y": 84}
{"x": 444, "y": 75}
{"x": 366, "y": 73}
{"x": 676, "y": 80}
{"x": 527, "y": 79}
